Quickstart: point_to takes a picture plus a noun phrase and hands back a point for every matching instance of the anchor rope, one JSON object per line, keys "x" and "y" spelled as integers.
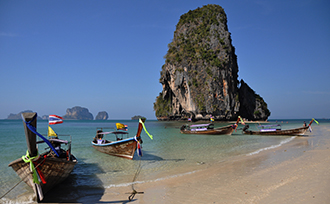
{"x": 21, "y": 180}
{"x": 134, "y": 192}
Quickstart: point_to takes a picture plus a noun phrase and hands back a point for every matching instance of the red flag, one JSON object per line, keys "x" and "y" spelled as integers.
{"x": 55, "y": 119}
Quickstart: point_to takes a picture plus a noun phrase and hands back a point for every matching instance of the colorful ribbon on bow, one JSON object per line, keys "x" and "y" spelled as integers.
{"x": 242, "y": 122}
{"x": 27, "y": 159}
{"x": 139, "y": 146}
{"x": 145, "y": 129}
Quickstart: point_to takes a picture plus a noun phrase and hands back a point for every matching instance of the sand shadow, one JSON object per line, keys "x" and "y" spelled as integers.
{"x": 82, "y": 186}
{"x": 119, "y": 201}
{"x": 150, "y": 157}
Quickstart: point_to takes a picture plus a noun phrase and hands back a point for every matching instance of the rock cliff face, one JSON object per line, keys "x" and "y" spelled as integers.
{"x": 103, "y": 115}
{"x": 252, "y": 106}
{"x": 200, "y": 73}
{"x": 78, "y": 113}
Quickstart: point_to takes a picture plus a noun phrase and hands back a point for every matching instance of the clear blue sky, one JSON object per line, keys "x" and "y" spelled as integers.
{"x": 107, "y": 55}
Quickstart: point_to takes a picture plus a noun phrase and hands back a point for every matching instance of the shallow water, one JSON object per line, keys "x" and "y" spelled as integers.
{"x": 170, "y": 153}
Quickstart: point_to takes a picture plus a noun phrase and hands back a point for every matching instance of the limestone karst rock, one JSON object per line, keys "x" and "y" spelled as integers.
{"x": 78, "y": 113}
{"x": 102, "y": 115}
{"x": 200, "y": 74}
{"x": 18, "y": 116}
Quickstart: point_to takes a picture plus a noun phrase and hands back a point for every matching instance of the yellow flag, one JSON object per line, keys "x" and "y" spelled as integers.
{"x": 51, "y": 132}
{"x": 120, "y": 126}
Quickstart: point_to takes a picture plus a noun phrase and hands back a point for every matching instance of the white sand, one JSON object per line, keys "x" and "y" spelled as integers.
{"x": 298, "y": 172}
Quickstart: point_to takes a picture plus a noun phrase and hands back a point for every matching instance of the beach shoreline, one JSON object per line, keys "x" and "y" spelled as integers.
{"x": 293, "y": 172}
{"x": 296, "y": 172}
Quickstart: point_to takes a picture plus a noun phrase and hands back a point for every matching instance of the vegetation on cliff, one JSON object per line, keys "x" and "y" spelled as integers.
{"x": 162, "y": 106}
{"x": 194, "y": 45}
{"x": 200, "y": 43}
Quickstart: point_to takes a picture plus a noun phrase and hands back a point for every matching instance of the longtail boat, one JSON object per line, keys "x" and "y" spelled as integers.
{"x": 42, "y": 172}
{"x": 208, "y": 129}
{"x": 119, "y": 146}
{"x": 276, "y": 130}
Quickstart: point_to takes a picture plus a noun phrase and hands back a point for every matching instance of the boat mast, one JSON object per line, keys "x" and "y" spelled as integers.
{"x": 29, "y": 135}
{"x": 310, "y": 123}
{"x": 140, "y": 127}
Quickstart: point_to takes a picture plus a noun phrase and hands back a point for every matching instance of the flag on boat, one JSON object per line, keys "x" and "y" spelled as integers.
{"x": 55, "y": 119}
{"x": 51, "y": 132}
{"x": 315, "y": 121}
{"x": 121, "y": 126}
{"x": 34, "y": 130}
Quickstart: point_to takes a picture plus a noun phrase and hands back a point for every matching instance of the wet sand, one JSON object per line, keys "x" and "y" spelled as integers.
{"x": 297, "y": 172}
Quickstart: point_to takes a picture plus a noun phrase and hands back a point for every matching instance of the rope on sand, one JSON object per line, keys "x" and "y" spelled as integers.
{"x": 134, "y": 192}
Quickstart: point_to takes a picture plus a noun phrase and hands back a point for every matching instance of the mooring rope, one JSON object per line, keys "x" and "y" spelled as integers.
{"x": 21, "y": 180}
{"x": 11, "y": 189}
{"x": 134, "y": 192}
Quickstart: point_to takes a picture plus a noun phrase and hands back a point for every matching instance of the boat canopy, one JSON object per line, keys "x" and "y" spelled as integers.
{"x": 201, "y": 125}
{"x": 113, "y": 132}
{"x": 267, "y": 126}
{"x": 119, "y": 132}
{"x": 54, "y": 140}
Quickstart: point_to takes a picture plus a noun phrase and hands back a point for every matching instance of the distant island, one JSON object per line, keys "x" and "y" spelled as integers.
{"x": 78, "y": 113}
{"x": 75, "y": 113}
{"x": 18, "y": 116}
{"x": 136, "y": 117}
{"x": 103, "y": 115}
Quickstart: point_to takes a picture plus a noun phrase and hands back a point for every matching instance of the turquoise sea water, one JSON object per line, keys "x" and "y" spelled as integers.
{"x": 169, "y": 154}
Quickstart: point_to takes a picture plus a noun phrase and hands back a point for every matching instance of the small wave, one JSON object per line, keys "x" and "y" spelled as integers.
{"x": 148, "y": 181}
{"x": 23, "y": 200}
{"x": 272, "y": 147}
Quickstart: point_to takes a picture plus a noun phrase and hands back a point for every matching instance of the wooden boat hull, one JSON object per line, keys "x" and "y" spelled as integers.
{"x": 123, "y": 148}
{"x": 228, "y": 130}
{"x": 290, "y": 132}
{"x": 54, "y": 169}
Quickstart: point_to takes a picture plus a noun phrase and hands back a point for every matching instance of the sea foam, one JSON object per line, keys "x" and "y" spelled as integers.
{"x": 272, "y": 147}
{"x": 148, "y": 181}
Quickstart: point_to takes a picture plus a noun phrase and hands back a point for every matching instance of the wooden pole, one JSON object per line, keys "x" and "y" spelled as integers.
{"x": 140, "y": 127}
{"x": 29, "y": 135}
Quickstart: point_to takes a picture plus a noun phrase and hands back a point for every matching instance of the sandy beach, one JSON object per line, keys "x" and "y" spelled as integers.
{"x": 294, "y": 172}
{"x": 297, "y": 172}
